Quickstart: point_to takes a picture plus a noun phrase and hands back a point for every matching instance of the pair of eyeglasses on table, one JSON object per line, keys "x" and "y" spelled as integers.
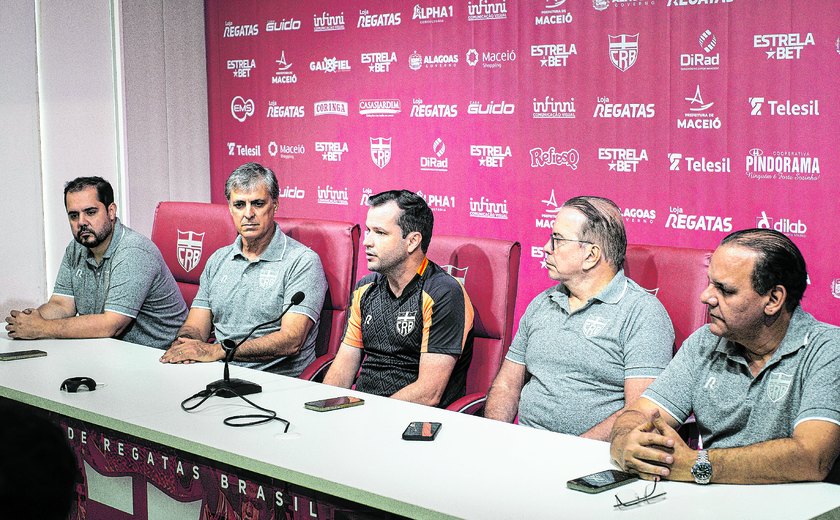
{"x": 635, "y": 500}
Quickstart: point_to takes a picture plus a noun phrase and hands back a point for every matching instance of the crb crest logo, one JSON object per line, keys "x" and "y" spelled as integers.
{"x": 624, "y": 49}
{"x": 188, "y": 248}
{"x": 268, "y": 277}
{"x": 778, "y": 385}
{"x": 458, "y": 274}
{"x": 380, "y": 151}
{"x": 405, "y": 322}
{"x": 594, "y": 326}
{"x": 835, "y": 287}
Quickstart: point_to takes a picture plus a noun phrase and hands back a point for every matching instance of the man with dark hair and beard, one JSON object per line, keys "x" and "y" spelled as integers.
{"x": 112, "y": 281}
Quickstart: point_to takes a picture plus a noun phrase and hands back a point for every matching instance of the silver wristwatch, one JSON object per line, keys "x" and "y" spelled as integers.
{"x": 702, "y": 469}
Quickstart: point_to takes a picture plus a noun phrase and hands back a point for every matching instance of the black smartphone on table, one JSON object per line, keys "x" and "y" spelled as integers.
{"x": 421, "y": 431}
{"x": 21, "y": 354}
{"x": 335, "y": 403}
{"x": 601, "y": 481}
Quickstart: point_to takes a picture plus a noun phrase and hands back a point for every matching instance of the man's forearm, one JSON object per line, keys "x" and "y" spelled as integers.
{"x": 54, "y": 311}
{"x": 83, "y": 326}
{"x": 189, "y": 332}
{"x": 769, "y": 462}
{"x": 268, "y": 347}
{"x": 417, "y": 393}
{"x": 602, "y": 430}
{"x": 622, "y": 425}
{"x": 502, "y": 404}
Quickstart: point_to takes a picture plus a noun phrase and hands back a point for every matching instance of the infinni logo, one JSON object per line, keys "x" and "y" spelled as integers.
{"x": 189, "y": 247}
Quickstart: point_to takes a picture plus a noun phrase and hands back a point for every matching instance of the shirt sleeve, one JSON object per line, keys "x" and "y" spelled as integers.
{"x": 133, "y": 273}
{"x": 353, "y": 328}
{"x": 447, "y": 318}
{"x": 306, "y": 276}
{"x": 821, "y": 391}
{"x": 673, "y": 389}
{"x": 648, "y": 340}
{"x": 205, "y": 281}
{"x": 64, "y": 279}
{"x": 516, "y": 352}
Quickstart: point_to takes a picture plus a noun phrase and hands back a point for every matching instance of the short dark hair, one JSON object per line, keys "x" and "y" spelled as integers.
{"x": 104, "y": 191}
{"x": 779, "y": 262}
{"x": 604, "y": 226}
{"x": 247, "y": 176}
{"x": 416, "y": 215}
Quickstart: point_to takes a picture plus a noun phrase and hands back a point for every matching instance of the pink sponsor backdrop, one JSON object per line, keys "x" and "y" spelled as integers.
{"x": 697, "y": 117}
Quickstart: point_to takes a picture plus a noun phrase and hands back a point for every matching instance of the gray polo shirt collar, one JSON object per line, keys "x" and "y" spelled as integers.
{"x": 612, "y": 293}
{"x": 116, "y": 236}
{"x": 275, "y": 251}
{"x": 795, "y": 338}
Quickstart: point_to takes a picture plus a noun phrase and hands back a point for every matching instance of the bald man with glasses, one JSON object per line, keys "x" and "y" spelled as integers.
{"x": 589, "y": 346}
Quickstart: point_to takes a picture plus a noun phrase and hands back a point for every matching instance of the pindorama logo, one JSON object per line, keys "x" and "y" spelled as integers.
{"x": 276, "y": 110}
{"x": 285, "y": 151}
{"x": 550, "y": 108}
{"x": 368, "y": 20}
{"x": 331, "y": 65}
{"x": 554, "y": 54}
{"x": 706, "y": 60}
{"x": 239, "y": 31}
{"x": 783, "y": 108}
{"x": 491, "y": 108}
{"x": 436, "y": 162}
{"x": 678, "y": 219}
{"x": 699, "y": 115}
{"x": 328, "y": 22}
{"x": 241, "y": 108}
{"x": 701, "y": 164}
{"x": 438, "y": 202}
{"x": 486, "y": 208}
{"x": 331, "y": 151}
{"x": 548, "y": 213}
{"x": 379, "y": 107}
{"x": 693, "y": 3}
{"x": 330, "y": 195}
{"x": 283, "y": 25}
{"x": 783, "y": 46}
{"x": 490, "y": 59}
{"x": 482, "y": 10}
{"x": 605, "y": 109}
{"x": 330, "y": 108}
{"x": 782, "y": 165}
{"x": 788, "y": 226}
{"x": 624, "y": 49}
{"x": 243, "y": 150}
{"x": 290, "y": 192}
{"x": 541, "y": 158}
{"x": 490, "y": 156}
{"x": 420, "y": 109}
{"x": 622, "y": 159}
{"x": 379, "y": 62}
{"x": 284, "y": 74}
{"x": 241, "y": 68}
{"x": 380, "y": 151}
{"x": 416, "y": 61}
{"x": 639, "y": 215}
{"x": 553, "y": 14}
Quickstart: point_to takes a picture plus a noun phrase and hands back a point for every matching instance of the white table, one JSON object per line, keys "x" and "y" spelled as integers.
{"x": 476, "y": 468}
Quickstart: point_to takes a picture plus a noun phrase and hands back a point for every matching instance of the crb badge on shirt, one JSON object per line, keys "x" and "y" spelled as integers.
{"x": 405, "y": 322}
{"x": 778, "y": 385}
{"x": 268, "y": 277}
{"x": 593, "y": 326}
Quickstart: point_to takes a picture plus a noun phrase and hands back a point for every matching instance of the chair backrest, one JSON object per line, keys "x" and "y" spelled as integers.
{"x": 187, "y": 233}
{"x": 337, "y": 243}
{"x": 677, "y": 276}
{"x": 489, "y": 270}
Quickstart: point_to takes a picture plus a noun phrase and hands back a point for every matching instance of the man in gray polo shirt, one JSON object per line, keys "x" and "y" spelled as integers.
{"x": 587, "y": 347}
{"x": 252, "y": 281}
{"x": 112, "y": 281}
{"x": 763, "y": 380}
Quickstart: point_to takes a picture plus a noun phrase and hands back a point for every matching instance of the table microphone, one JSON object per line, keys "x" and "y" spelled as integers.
{"x": 227, "y": 387}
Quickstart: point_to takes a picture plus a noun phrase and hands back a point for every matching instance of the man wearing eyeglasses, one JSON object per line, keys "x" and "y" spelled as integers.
{"x": 762, "y": 378}
{"x": 589, "y": 346}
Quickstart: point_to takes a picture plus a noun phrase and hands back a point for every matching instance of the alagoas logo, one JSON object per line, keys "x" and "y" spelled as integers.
{"x": 241, "y": 108}
{"x": 188, "y": 248}
{"x": 331, "y": 151}
{"x": 554, "y": 54}
{"x": 285, "y": 151}
{"x": 284, "y": 74}
{"x": 416, "y": 61}
{"x": 328, "y": 22}
{"x": 698, "y": 164}
{"x": 329, "y": 195}
{"x": 420, "y": 109}
{"x": 331, "y": 107}
{"x": 493, "y": 108}
{"x": 787, "y": 226}
{"x": 437, "y": 162}
{"x": 622, "y": 159}
{"x": 380, "y": 151}
{"x": 243, "y": 150}
{"x": 368, "y": 20}
{"x": 624, "y": 49}
{"x": 551, "y": 157}
{"x": 330, "y": 65}
{"x": 485, "y": 208}
{"x": 699, "y": 115}
{"x": 241, "y": 68}
{"x": 548, "y": 214}
{"x": 643, "y": 215}
{"x": 550, "y": 108}
{"x": 379, "y": 107}
{"x": 553, "y": 14}
{"x": 782, "y": 165}
{"x": 490, "y": 156}
{"x": 438, "y": 202}
{"x": 707, "y": 60}
{"x": 284, "y": 111}
{"x": 783, "y": 46}
{"x": 678, "y": 219}
{"x": 481, "y": 10}
{"x": 606, "y": 109}
{"x": 283, "y": 25}
{"x": 238, "y": 31}
{"x": 431, "y": 14}
{"x": 784, "y": 108}
{"x": 379, "y": 62}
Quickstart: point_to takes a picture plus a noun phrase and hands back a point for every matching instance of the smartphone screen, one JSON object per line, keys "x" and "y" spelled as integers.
{"x": 601, "y": 481}
{"x": 21, "y": 354}
{"x": 336, "y": 403}
{"x": 421, "y": 431}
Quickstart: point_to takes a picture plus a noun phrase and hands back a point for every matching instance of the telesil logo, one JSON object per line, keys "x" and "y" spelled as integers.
{"x": 698, "y": 164}
{"x": 784, "y": 107}
{"x": 783, "y": 46}
{"x": 243, "y": 150}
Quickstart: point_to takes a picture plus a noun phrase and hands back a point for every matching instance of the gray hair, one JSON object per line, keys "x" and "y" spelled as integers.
{"x": 248, "y": 176}
{"x": 604, "y": 226}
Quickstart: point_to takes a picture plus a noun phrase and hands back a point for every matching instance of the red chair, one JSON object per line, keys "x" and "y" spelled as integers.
{"x": 337, "y": 243}
{"x": 489, "y": 270}
{"x": 676, "y": 276}
{"x": 187, "y": 233}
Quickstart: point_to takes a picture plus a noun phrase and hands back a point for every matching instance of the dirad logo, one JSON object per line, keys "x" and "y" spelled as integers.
{"x": 330, "y": 65}
{"x": 783, "y": 46}
{"x": 431, "y": 14}
{"x": 284, "y": 111}
{"x": 485, "y": 208}
{"x": 243, "y": 150}
{"x": 624, "y": 49}
{"x": 698, "y": 164}
{"x": 292, "y": 193}
{"x": 367, "y": 20}
{"x": 438, "y": 202}
{"x": 553, "y": 109}
{"x": 699, "y": 116}
{"x": 784, "y": 108}
{"x": 331, "y": 151}
{"x": 436, "y": 163}
{"x": 189, "y": 247}
{"x": 486, "y": 10}
{"x": 783, "y": 165}
{"x": 490, "y": 156}
{"x": 490, "y": 59}
{"x": 677, "y": 219}
{"x": 241, "y": 108}
{"x": 551, "y": 157}
{"x": 606, "y": 109}
{"x": 241, "y": 68}
{"x": 328, "y": 195}
{"x": 416, "y": 61}
{"x": 379, "y": 107}
{"x": 379, "y": 61}
{"x": 622, "y": 159}
{"x": 554, "y": 54}
{"x": 645, "y": 216}
{"x": 548, "y": 214}
{"x": 705, "y": 60}
{"x": 420, "y": 109}
{"x": 327, "y": 22}
{"x": 283, "y": 25}
{"x": 552, "y": 14}
{"x": 783, "y": 225}
{"x": 502, "y": 108}
{"x": 237, "y": 31}
{"x": 332, "y": 108}
{"x": 380, "y": 151}
{"x": 286, "y": 151}
{"x": 284, "y": 74}
{"x": 686, "y": 3}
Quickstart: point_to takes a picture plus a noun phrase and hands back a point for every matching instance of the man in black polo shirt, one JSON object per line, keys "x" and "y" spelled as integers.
{"x": 410, "y": 327}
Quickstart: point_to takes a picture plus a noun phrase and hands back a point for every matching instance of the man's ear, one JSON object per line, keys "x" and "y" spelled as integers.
{"x": 592, "y": 257}
{"x": 414, "y": 240}
{"x": 112, "y": 211}
{"x": 777, "y": 299}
